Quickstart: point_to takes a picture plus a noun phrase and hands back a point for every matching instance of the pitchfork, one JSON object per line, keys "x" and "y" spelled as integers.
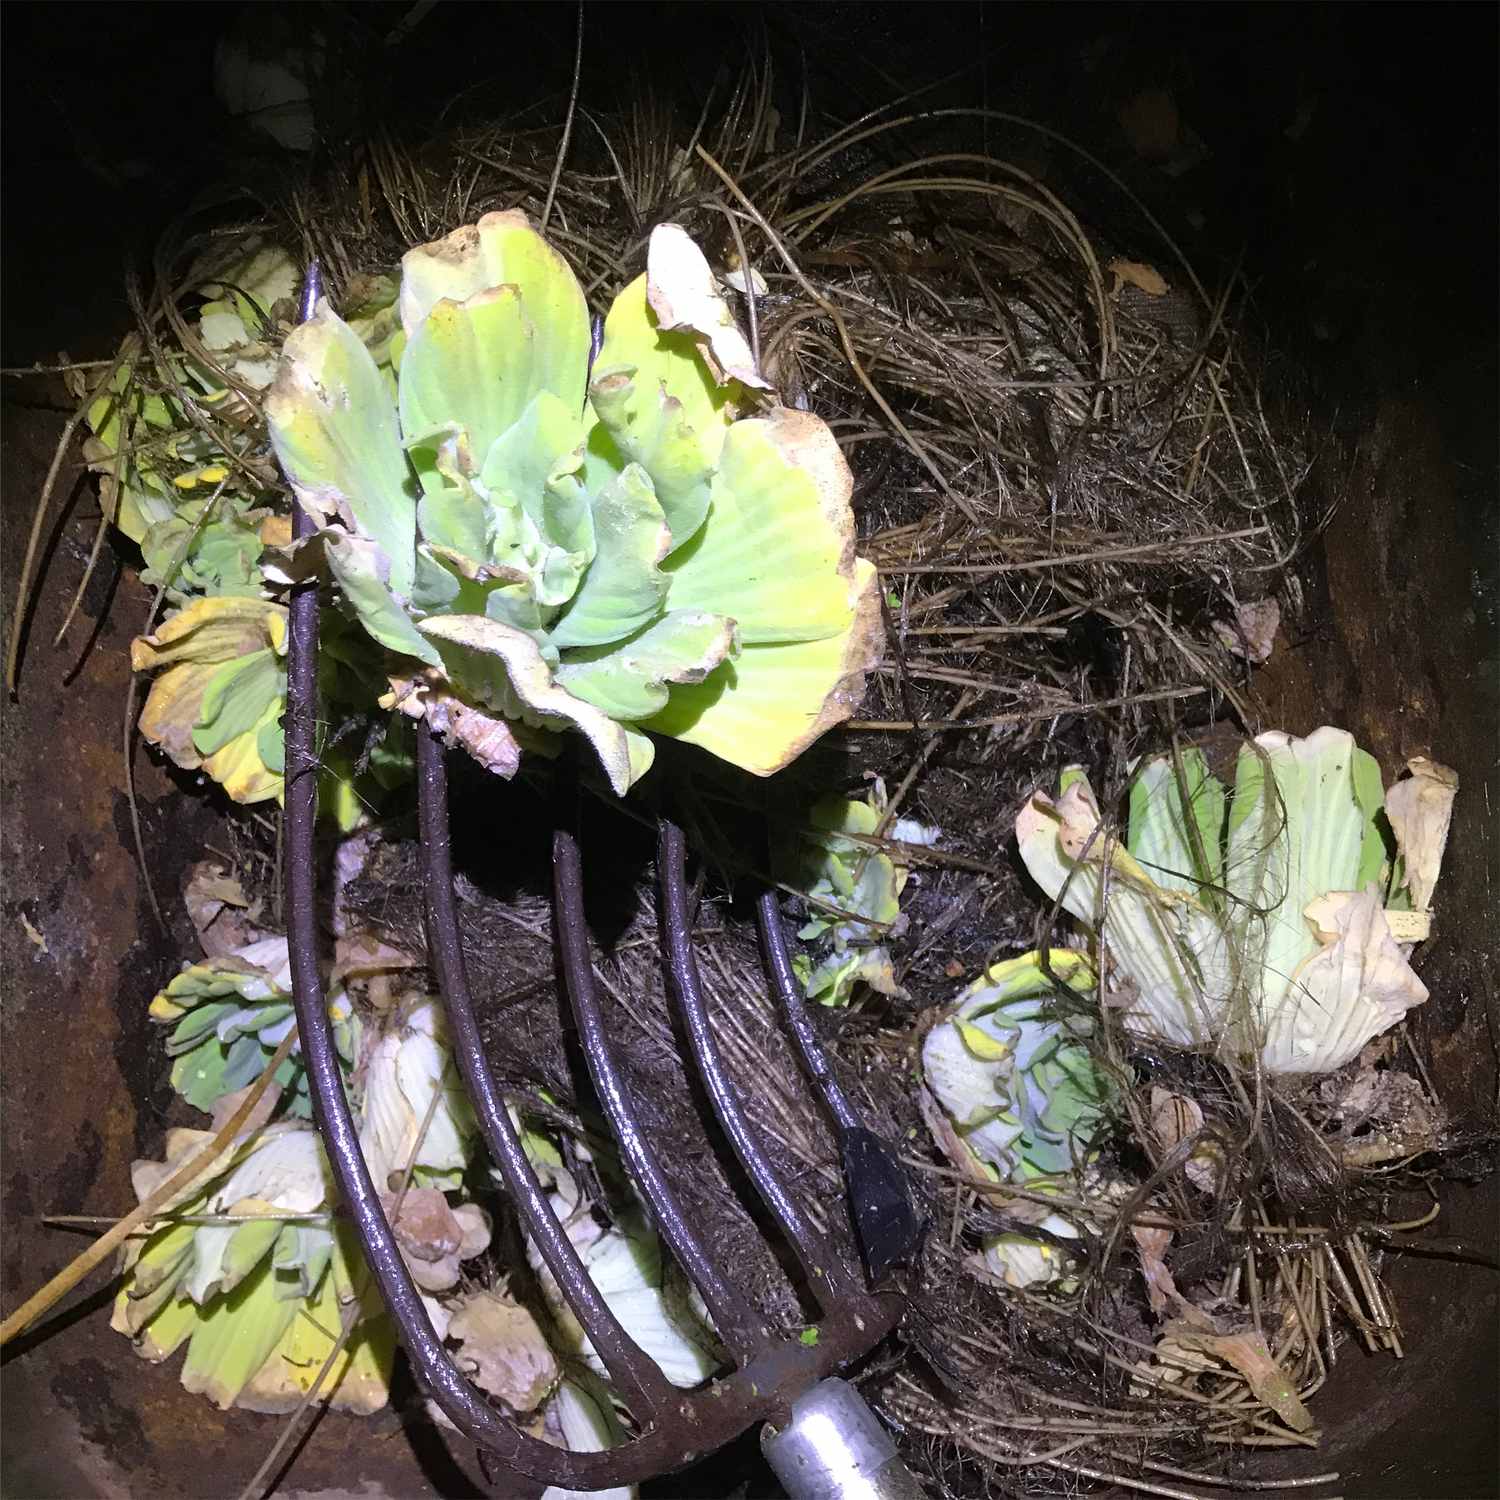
{"x": 820, "y": 1438}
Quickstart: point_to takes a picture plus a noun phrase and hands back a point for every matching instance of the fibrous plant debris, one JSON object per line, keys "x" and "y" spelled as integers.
{"x": 1083, "y": 511}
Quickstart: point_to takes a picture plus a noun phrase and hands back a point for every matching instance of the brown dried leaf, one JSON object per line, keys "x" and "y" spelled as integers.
{"x": 219, "y": 909}
{"x": 1138, "y": 274}
{"x": 435, "y": 1238}
{"x": 1161, "y": 1289}
{"x": 682, "y": 292}
{"x": 503, "y": 1350}
{"x": 1420, "y": 809}
{"x": 1251, "y": 632}
{"x": 1176, "y": 1118}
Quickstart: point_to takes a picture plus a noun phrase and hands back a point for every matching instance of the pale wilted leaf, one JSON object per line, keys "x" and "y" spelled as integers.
{"x": 1420, "y": 809}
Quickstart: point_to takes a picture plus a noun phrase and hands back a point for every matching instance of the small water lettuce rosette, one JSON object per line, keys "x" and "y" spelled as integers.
{"x": 1266, "y": 921}
{"x": 251, "y": 1272}
{"x": 854, "y": 892}
{"x": 203, "y": 506}
{"x": 248, "y": 1265}
{"x": 230, "y": 1013}
{"x": 1014, "y": 1093}
{"x": 543, "y": 546}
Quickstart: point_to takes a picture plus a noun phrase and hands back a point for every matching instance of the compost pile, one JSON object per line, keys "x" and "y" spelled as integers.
{"x": 1085, "y": 510}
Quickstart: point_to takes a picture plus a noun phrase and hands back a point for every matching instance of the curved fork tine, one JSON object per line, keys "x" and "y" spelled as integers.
{"x": 643, "y": 1386}
{"x": 435, "y": 1370}
{"x": 737, "y": 1323}
{"x": 885, "y": 1222}
{"x": 825, "y": 1269}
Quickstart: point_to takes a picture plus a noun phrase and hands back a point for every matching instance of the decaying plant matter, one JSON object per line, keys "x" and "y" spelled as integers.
{"x": 1143, "y": 1250}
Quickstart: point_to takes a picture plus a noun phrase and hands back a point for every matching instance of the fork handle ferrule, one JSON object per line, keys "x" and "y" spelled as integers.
{"x": 834, "y": 1448}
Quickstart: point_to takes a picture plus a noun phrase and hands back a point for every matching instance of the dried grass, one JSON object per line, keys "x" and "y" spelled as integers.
{"x": 1065, "y": 480}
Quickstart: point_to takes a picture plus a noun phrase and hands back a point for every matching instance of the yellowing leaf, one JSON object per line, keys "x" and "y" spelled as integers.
{"x": 765, "y": 707}
{"x": 777, "y": 551}
{"x": 473, "y": 364}
{"x": 503, "y": 250}
{"x": 659, "y": 406}
{"x": 984, "y": 1046}
{"x": 335, "y": 432}
{"x": 204, "y": 654}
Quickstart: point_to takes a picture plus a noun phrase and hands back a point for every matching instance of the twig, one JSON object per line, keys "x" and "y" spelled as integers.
{"x": 1056, "y": 712}
{"x": 1067, "y": 560}
{"x": 23, "y": 588}
{"x": 79, "y": 364}
{"x": 567, "y": 135}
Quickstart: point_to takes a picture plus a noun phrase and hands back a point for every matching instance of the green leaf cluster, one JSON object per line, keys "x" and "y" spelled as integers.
{"x": 228, "y": 1016}
{"x": 613, "y": 551}
{"x": 854, "y": 894}
{"x": 252, "y": 1274}
{"x": 1013, "y": 1070}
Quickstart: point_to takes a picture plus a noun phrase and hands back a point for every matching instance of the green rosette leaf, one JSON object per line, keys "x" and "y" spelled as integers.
{"x": 630, "y": 681}
{"x": 229, "y": 1014}
{"x": 468, "y": 369}
{"x": 336, "y": 434}
{"x": 502, "y": 250}
{"x": 658, "y": 406}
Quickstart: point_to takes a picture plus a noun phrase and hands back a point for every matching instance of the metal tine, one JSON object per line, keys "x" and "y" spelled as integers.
{"x": 788, "y": 993}
{"x": 827, "y": 1275}
{"x": 885, "y": 1221}
{"x": 676, "y": 1426}
{"x": 740, "y": 1327}
{"x": 636, "y": 1376}
{"x": 435, "y": 1369}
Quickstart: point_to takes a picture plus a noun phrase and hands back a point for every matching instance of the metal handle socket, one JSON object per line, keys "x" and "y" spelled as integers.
{"x": 834, "y": 1448}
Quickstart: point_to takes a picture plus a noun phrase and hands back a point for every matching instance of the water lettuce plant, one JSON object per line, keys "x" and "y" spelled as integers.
{"x": 228, "y": 1016}
{"x": 542, "y": 545}
{"x": 854, "y": 893}
{"x": 251, "y": 1272}
{"x": 248, "y": 1265}
{"x": 155, "y": 461}
{"x": 1016, "y": 1095}
{"x": 204, "y": 516}
{"x": 1254, "y": 920}
{"x": 220, "y": 689}
{"x": 1014, "y": 1073}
